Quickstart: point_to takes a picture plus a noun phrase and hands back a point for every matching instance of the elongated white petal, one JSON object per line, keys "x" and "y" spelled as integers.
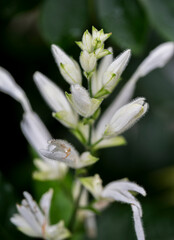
{"x": 52, "y": 94}
{"x": 23, "y": 226}
{"x": 126, "y": 117}
{"x": 35, "y": 131}
{"x": 119, "y": 196}
{"x": 9, "y": 86}
{"x": 34, "y": 208}
{"x": 138, "y": 223}
{"x": 45, "y": 202}
{"x": 156, "y": 59}
{"x": 69, "y": 68}
{"x": 126, "y": 185}
{"x": 29, "y": 217}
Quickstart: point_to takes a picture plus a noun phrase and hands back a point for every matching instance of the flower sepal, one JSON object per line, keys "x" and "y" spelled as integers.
{"x": 66, "y": 118}
{"x": 110, "y": 142}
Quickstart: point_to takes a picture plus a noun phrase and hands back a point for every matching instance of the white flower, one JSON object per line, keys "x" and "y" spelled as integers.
{"x": 64, "y": 152}
{"x": 69, "y": 68}
{"x": 33, "y": 220}
{"x": 56, "y": 99}
{"x": 126, "y": 117}
{"x": 81, "y": 101}
{"x": 37, "y": 135}
{"x": 156, "y": 59}
{"x": 88, "y": 61}
{"x": 121, "y": 191}
{"x": 98, "y": 74}
{"x": 114, "y": 71}
{"x": 9, "y": 86}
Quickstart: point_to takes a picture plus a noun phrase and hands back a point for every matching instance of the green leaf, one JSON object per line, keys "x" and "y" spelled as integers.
{"x": 63, "y": 19}
{"x": 161, "y": 15}
{"x": 127, "y": 22}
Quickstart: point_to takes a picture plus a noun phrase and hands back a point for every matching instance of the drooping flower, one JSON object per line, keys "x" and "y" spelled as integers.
{"x": 121, "y": 191}
{"x": 33, "y": 129}
{"x": 64, "y": 152}
{"x": 34, "y": 221}
{"x": 9, "y": 86}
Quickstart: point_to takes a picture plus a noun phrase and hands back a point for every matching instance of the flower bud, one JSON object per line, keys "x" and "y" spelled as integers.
{"x": 99, "y": 37}
{"x": 69, "y": 68}
{"x": 88, "y": 61}
{"x": 114, "y": 71}
{"x": 93, "y": 184}
{"x": 126, "y": 117}
{"x": 81, "y": 101}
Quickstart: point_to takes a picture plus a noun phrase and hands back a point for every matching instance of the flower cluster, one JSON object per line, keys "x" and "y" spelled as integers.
{"x": 78, "y": 111}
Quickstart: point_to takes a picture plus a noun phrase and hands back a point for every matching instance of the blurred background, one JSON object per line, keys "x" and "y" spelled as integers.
{"x": 27, "y": 29}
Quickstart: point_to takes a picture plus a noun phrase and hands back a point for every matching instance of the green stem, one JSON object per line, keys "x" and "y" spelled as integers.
{"x": 90, "y": 87}
{"x": 73, "y": 217}
{"x": 93, "y": 145}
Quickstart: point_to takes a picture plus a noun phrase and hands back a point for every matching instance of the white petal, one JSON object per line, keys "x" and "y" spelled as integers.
{"x": 45, "y": 202}
{"x": 138, "y": 224}
{"x": 52, "y": 94}
{"x": 23, "y": 226}
{"x": 156, "y": 59}
{"x": 30, "y": 219}
{"x": 119, "y": 196}
{"x": 9, "y": 86}
{"x": 34, "y": 208}
{"x": 126, "y": 185}
{"x": 35, "y": 131}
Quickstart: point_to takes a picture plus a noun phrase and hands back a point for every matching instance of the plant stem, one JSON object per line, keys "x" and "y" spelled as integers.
{"x": 73, "y": 217}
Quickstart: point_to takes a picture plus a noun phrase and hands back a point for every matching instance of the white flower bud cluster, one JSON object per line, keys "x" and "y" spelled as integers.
{"x": 92, "y": 46}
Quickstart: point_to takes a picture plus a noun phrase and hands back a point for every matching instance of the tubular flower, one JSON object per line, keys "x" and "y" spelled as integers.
{"x": 34, "y": 221}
